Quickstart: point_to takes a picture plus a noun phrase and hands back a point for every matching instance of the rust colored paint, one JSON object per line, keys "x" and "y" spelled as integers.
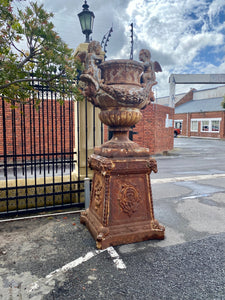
{"x": 121, "y": 206}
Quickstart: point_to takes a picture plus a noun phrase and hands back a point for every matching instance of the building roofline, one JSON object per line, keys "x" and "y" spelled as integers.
{"x": 212, "y": 88}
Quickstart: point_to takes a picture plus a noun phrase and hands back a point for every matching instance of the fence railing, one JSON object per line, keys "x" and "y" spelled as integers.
{"x": 38, "y": 156}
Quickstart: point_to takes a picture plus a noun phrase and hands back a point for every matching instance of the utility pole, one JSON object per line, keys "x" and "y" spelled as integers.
{"x": 132, "y": 41}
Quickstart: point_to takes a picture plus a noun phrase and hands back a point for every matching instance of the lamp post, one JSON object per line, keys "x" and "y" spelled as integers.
{"x": 86, "y": 18}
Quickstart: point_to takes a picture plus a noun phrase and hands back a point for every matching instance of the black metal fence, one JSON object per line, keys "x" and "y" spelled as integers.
{"x": 39, "y": 167}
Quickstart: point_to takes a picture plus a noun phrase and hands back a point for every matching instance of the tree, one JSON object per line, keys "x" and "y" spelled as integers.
{"x": 46, "y": 58}
{"x": 223, "y": 102}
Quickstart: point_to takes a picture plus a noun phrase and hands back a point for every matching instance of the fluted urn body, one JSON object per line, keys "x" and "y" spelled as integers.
{"x": 120, "y": 97}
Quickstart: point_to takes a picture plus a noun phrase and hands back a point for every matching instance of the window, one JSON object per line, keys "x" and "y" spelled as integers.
{"x": 194, "y": 125}
{"x": 178, "y": 124}
{"x": 205, "y": 125}
{"x": 216, "y": 125}
{"x": 210, "y": 125}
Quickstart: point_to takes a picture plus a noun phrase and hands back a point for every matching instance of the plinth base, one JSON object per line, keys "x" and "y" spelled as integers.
{"x": 121, "y": 207}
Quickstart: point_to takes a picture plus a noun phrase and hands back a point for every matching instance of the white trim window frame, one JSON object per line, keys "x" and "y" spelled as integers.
{"x": 205, "y": 125}
{"x": 216, "y": 126}
{"x": 209, "y": 123}
{"x": 194, "y": 128}
{"x": 177, "y": 122}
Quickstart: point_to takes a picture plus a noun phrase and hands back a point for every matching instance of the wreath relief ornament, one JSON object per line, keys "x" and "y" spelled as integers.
{"x": 129, "y": 199}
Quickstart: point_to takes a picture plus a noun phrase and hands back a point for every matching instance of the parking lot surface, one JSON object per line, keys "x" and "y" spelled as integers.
{"x": 54, "y": 257}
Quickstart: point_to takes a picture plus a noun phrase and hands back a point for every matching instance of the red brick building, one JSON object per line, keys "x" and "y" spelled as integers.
{"x": 200, "y": 114}
{"x": 155, "y": 130}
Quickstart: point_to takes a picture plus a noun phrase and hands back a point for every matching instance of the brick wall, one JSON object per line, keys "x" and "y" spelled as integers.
{"x": 151, "y": 129}
{"x": 186, "y": 125}
{"x": 34, "y": 131}
{"x": 186, "y": 98}
{"x": 152, "y": 132}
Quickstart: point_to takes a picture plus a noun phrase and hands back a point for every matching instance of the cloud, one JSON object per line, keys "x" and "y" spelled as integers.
{"x": 183, "y": 36}
{"x": 191, "y": 44}
{"x": 215, "y": 7}
{"x": 178, "y": 33}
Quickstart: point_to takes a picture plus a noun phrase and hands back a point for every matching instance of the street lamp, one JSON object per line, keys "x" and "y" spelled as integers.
{"x": 86, "y": 18}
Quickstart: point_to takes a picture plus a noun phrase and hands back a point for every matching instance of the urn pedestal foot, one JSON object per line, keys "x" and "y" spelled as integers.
{"x": 121, "y": 207}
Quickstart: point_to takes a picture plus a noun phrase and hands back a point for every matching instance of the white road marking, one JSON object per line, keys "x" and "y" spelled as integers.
{"x": 34, "y": 287}
{"x": 196, "y": 196}
{"x": 73, "y": 264}
{"x": 187, "y": 178}
{"x": 116, "y": 259}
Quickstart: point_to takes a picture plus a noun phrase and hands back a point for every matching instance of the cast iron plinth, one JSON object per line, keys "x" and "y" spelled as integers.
{"x": 121, "y": 208}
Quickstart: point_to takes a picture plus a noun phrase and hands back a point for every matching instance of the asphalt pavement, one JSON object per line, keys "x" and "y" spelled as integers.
{"x": 54, "y": 257}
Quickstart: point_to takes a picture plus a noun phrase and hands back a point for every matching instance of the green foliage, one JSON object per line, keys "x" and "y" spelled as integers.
{"x": 45, "y": 57}
{"x": 223, "y": 102}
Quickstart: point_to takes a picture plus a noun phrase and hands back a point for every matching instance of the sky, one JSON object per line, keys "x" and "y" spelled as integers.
{"x": 184, "y": 36}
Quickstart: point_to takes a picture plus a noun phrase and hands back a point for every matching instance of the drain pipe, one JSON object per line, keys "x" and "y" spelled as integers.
{"x": 187, "y": 130}
{"x": 87, "y": 192}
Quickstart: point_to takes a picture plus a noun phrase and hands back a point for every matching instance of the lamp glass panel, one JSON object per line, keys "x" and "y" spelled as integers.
{"x": 88, "y": 22}
{"x": 82, "y": 22}
{"x": 91, "y": 22}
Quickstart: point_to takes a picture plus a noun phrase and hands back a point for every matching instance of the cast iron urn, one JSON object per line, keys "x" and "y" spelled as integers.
{"x": 121, "y": 207}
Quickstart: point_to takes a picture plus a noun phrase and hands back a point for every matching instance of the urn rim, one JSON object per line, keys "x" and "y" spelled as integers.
{"x": 128, "y": 62}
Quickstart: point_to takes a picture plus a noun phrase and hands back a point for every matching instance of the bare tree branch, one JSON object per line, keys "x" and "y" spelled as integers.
{"x": 18, "y": 49}
{"x": 31, "y": 79}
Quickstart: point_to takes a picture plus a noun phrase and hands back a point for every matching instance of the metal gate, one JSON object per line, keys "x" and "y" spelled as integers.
{"x": 38, "y": 157}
